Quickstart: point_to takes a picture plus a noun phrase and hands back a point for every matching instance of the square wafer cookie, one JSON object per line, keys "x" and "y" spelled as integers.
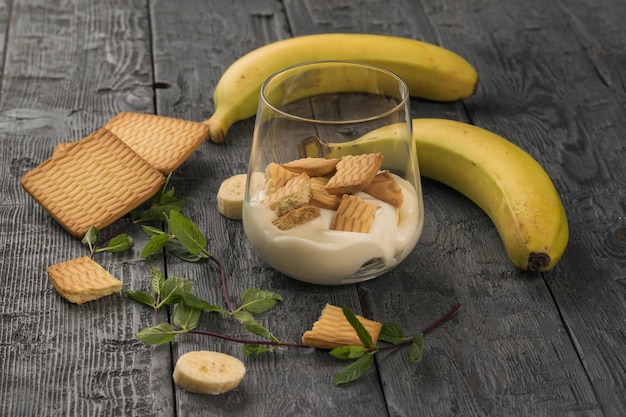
{"x": 314, "y": 167}
{"x": 353, "y": 215}
{"x": 81, "y": 280}
{"x": 92, "y": 183}
{"x": 165, "y": 142}
{"x": 354, "y": 173}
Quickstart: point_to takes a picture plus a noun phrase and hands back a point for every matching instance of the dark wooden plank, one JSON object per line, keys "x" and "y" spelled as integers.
{"x": 69, "y": 67}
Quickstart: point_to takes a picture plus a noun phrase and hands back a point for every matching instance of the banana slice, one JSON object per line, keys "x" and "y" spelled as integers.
{"x": 208, "y": 372}
{"x": 230, "y": 196}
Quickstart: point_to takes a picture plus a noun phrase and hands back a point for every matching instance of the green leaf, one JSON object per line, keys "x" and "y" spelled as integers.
{"x": 179, "y": 251}
{"x": 90, "y": 237}
{"x": 186, "y": 232}
{"x": 141, "y": 297}
{"x": 348, "y": 352}
{"x": 416, "y": 349}
{"x": 156, "y": 335}
{"x": 157, "y": 279}
{"x": 251, "y": 324}
{"x": 193, "y": 301}
{"x": 155, "y": 244}
{"x": 152, "y": 231}
{"x": 173, "y": 289}
{"x": 361, "y": 331}
{"x": 257, "y": 301}
{"x": 392, "y": 333}
{"x": 118, "y": 243}
{"x": 186, "y": 317}
{"x": 255, "y": 350}
{"x": 355, "y": 370}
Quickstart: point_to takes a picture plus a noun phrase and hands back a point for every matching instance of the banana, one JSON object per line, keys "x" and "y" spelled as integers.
{"x": 501, "y": 178}
{"x": 208, "y": 372}
{"x": 431, "y": 72}
{"x": 230, "y": 196}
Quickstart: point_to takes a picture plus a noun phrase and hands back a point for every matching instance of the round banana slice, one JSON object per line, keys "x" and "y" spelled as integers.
{"x": 208, "y": 372}
{"x": 230, "y": 196}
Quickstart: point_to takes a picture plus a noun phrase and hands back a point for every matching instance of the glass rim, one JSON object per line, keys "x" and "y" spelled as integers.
{"x": 403, "y": 90}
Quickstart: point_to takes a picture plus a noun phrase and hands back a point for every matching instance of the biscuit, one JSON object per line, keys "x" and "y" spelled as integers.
{"x": 354, "y": 173}
{"x": 165, "y": 142}
{"x": 320, "y": 197}
{"x": 333, "y": 330}
{"x": 385, "y": 188}
{"x": 81, "y": 280}
{"x": 314, "y": 167}
{"x": 353, "y": 215}
{"x": 295, "y": 193}
{"x": 276, "y": 176}
{"x": 296, "y": 217}
{"x": 92, "y": 183}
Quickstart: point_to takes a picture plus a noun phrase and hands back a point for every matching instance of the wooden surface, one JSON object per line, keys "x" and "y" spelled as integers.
{"x": 552, "y": 80}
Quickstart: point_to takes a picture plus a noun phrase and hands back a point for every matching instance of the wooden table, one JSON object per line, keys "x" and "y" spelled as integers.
{"x": 552, "y": 80}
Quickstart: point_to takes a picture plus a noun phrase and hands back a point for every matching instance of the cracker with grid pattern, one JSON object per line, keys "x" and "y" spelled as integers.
{"x": 92, "y": 183}
{"x": 81, "y": 280}
{"x": 332, "y": 330}
{"x": 353, "y": 215}
{"x": 295, "y": 193}
{"x": 314, "y": 167}
{"x": 165, "y": 142}
{"x": 354, "y": 173}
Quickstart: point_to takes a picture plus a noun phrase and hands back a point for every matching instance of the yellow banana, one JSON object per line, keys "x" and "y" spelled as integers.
{"x": 501, "y": 178}
{"x": 431, "y": 72}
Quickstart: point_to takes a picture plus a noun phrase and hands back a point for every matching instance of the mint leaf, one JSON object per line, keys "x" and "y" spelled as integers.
{"x": 179, "y": 251}
{"x": 154, "y": 245}
{"x": 416, "y": 349}
{"x": 257, "y": 301}
{"x": 90, "y": 237}
{"x": 157, "y": 335}
{"x": 361, "y": 331}
{"x": 118, "y": 243}
{"x": 355, "y": 370}
{"x": 392, "y": 333}
{"x": 186, "y": 232}
{"x": 255, "y": 350}
{"x": 157, "y": 278}
{"x": 348, "y": 352}
{"x": 251, "y": 324}
{"x": 186, "y": 317}
{"x": 142, "y": 297}
{"x": 173, "y": 289}
{"x": 192, "y": 300}
{"x": 152, "y": 231}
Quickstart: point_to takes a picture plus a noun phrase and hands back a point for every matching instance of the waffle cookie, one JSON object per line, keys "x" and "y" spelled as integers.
{"x": 94, "y": 182}
{"x": 296, "y": 217}
{"x": 164, "y": 142}
{"x": 354, "y": 173}
{"x": 353, "y": 215}
{"x": 81, "y": 280}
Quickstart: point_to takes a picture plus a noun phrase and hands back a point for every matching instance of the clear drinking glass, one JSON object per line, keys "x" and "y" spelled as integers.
{"x": 331, "y": 109}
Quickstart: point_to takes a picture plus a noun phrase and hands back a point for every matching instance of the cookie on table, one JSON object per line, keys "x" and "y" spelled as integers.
{"x": 81, "y": 280}
{"x": 94, "y": 182}
{"x": 165, "y": 142}
{"x": 332, "y": 330}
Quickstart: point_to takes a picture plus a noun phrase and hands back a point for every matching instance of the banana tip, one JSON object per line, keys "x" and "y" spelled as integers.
{"x": 538, "y": 261}
{"x": 216, "y": 134}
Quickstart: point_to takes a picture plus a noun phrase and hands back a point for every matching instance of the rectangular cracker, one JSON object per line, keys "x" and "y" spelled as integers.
{"x": 353, "y": 215}
{"x": 81, "y": 280}
{"x": 385, "y": 188}
{"x": 295, "y": 193}
{"x": 333, "y": 330}
{"x": 92, "y": 183}
{"x": 354, "y": 173}
{"x": 296, "y": 217}
{"x": 314, "y": 167}
{"x": 165, "y": 142}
